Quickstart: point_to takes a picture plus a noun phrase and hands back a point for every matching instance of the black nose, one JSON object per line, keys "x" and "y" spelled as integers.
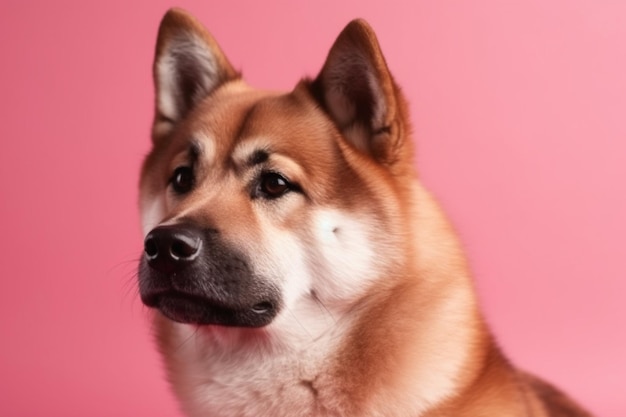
{"x": 171, "y": 248}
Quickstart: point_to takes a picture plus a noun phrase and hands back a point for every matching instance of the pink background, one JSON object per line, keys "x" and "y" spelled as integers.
{"x": 520, "y": 115}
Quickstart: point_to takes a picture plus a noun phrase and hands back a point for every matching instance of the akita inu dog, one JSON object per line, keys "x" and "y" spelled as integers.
{"x": 296, "y": 265}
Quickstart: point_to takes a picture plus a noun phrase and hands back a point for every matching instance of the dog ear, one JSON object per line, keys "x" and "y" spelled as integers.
{"x": 357, "y": 90}
{"x": 188, "y": 65}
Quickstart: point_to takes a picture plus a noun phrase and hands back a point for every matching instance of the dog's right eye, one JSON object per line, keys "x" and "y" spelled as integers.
{"x": 182, "y": 180}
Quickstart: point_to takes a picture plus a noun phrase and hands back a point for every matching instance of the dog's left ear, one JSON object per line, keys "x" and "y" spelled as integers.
{"x": 188, "y": 66}
{"x": 357, "y": 90}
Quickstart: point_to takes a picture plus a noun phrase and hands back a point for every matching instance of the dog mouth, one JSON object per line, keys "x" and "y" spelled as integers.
{"x": 199, "y": 310}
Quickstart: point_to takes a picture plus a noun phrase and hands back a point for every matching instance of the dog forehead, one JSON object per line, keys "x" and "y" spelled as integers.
{"x": 240, "y": 120}
{"x": 222, "y": 115}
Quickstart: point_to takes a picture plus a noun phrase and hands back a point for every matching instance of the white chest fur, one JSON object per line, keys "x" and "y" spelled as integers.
{"x": 226, "y": 373}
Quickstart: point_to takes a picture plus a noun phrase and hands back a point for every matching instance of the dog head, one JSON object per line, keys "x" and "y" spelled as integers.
{"x": 254, "y": 202}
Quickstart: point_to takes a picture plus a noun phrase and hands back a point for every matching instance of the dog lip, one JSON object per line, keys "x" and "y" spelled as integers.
{"x": 156, "y": 298}
{"x": 194, "y": 309}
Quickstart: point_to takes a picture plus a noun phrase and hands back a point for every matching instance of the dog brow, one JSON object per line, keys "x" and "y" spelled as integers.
{"x": 195, "y": 150}
{"x": 258, "y": 157}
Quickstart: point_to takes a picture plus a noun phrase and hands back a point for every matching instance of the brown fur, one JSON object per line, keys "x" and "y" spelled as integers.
{"x": 408, "y": 322}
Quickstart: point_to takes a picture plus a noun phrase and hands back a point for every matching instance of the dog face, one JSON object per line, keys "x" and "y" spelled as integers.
{"x": 255, "y": 203}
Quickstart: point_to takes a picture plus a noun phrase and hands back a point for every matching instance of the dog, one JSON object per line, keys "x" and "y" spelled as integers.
{"x": 293, "y": 262}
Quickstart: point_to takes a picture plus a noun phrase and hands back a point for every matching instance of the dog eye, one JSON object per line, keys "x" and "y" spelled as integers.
{"x": 182, "y": 180}
{"x": 273, "y": 185}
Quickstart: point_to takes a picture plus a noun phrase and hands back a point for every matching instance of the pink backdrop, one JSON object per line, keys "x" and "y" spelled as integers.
{"x": 520, "y": 113}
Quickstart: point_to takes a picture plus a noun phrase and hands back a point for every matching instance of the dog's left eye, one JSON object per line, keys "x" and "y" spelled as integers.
{"x": 182, "y": 180}
{"x": 273, "y": 185}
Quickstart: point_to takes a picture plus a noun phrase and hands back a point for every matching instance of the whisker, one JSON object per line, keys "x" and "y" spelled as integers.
{"x": 187, "y": 339}
{"x": 130, "y": 287}
{"x": 319, "y": 302}
{"x": 130, "y": 261}
{"x": 300, "y": 324}
{"x": 127, "y": 273}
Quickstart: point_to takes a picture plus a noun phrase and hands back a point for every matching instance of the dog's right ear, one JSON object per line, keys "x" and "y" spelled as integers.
{"x": 188, "y": 66}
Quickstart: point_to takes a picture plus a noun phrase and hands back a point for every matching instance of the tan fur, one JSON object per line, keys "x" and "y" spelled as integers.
{"x": 381, "y": 316}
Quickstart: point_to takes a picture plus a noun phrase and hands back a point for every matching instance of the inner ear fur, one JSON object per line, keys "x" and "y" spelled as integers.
{"x": 188, "y": 66}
